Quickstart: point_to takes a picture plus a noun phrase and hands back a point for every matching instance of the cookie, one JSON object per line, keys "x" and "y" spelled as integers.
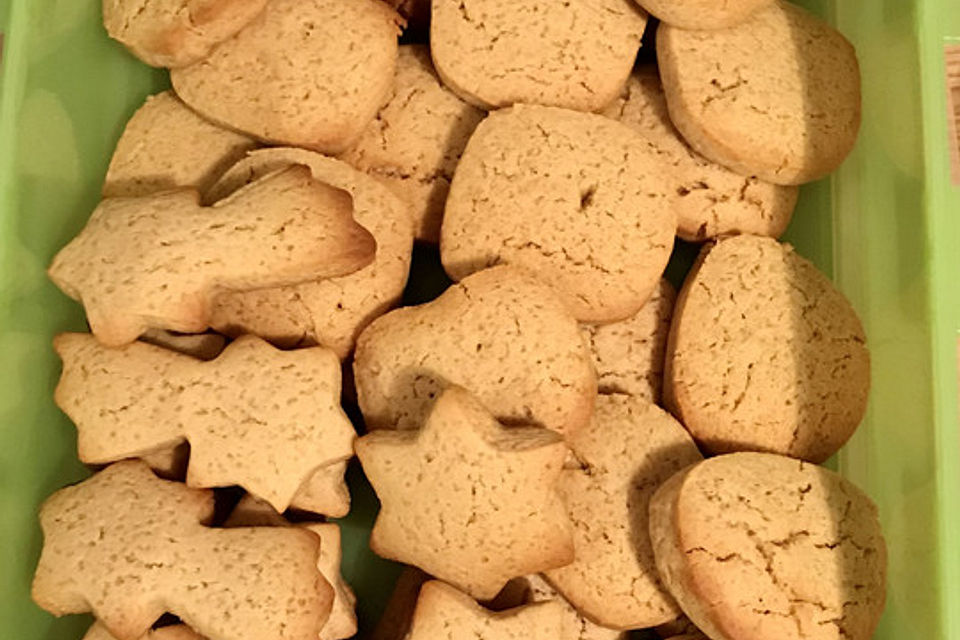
{"x": 166, "y": 145}
{"x": 532, "y": 589}
{"x": 576, "y": 198}
{"x": 501, "y": 334}
{"x": 332, "y": 311}
{"x": 629, "y": 449}
{"x": 777, "y": 96}
{"x": 342, "y": 623}
{"x": 466, "y": 499}
{"x": 575, "y": 54}
{"x": 629, "y": 354}
{"x": 305, "y": 73}
{"x": 169, "y": 256}
{"x": 174, "y": 33}
{"x": 703, "y": 14}
{"x": 202, "y": 346}
{"x": 416, "y": 139}
{"x": 756, "y": 546}
{"x": 324, "y": 492}
{"x": 397, "y": 614}
{"x": 765, "y": 354}
{"x": 708, "y": 199}
{"x": 443, "y": 613}
{"x": 129, "y": 547}
{"x": 257, "y": 417}
{"x": 169, "y": 463}
{"x": 174, "y": 632}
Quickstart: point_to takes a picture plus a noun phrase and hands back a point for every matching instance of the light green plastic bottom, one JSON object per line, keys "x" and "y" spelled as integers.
{"x": 884, "y": 227}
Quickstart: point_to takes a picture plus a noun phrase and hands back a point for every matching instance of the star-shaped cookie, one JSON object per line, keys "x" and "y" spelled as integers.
{"x": 443, "y": 613}
{"x": 466, "y": 499}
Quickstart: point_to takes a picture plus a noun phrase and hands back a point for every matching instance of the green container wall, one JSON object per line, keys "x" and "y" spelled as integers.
{"x": 884, "y": 227}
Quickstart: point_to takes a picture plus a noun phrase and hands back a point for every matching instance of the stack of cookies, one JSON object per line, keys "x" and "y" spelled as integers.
{"x": 565, "y": 444}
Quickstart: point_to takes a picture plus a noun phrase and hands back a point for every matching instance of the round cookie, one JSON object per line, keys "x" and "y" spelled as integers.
{"x": 575, "y": 54}
{"x": 305, "y": 73}
{"x": 702, "y": 14}
{"x": 709, "y": 199}
{"x": 629, "y": 449}
{"x": 574, "y": 197}
{"x": 629, "y": 354}
{"x": 765, "y": 354}
{"x": 334, "y": 311}
{"x": 175, "y": 33}
{"x": 501, "y": 334}
{"x": 416, "y": 140}
{"x": 777, "y": 97}
{"x": 756, "y": 546}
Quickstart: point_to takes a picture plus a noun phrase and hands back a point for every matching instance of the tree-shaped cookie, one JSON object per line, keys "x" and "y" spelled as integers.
{"x": 256, "y": 416}
{"x": 466, "y": 499}
{"x": 128, "y": 547}
{"x": 158, "y": 261}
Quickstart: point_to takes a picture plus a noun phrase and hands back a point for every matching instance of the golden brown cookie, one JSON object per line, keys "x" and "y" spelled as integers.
{"x": 708, "y": 199}
{"x": 765, "y": 354}
{"x": 576, "y": 198}
{"x": 416, "y": 139}
{"x": 756, "y": 546}
{"x": 777, "y": 96}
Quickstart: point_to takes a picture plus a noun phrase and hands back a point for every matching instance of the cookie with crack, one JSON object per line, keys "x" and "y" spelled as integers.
{"x": 174, "y": 632}
{"x": 333, "y": 311}
{"x": 501, "y": 334}
{"x": 466, "y": 499}
{"x": 175, "y": 33}
{"x": 576, "y": 198}
{"x": 416, "y": 139}
{"x": 629, "y": 354}
{"x": 170, "y": 256}
{"x": 305, "y": 73}
{"x": 756, "y": 546}
{"x": 575, "y": 54}
{"x": 765, "y": 354}
{"x": 166, "y": 145}
{"x": 256, "y": 416}
{"x": 709, "y": 199}
{"x": 630, "y": 448}
{"x": 777, "y": 96}
{"x": 129, "y": 547}
{"x": 703, "y": 14}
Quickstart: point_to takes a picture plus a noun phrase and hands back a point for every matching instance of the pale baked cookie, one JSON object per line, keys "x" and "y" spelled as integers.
{"x": 256, "y": 416}
{"x": 331, "y": 312}
{"x": 629, "y": 354}
{"x": 443, "y": 613}
{"x": 129, "y": 547}
{"x": 169, "y": 463}
{"x": 166, "y": 145}
{"x": 466, "y": 499}
{"x": 577, "y": 198}
{"x": 703, "y": 14}
{"x": 501, "y": 334}
{"x": 630, "y": 448}
{"x": 174, "y": 632}
{"x": 342, "y": 623}
{"x": 777, "y": 96}
{"x": 324, "y": 492}
{"x": 765, "y": 354}
{"x": 174, "y": 33}
{"x": 708, "y": 199}
{"x": 416, "y": 139}
{"x": 757, "y": 546}
{"x": 169, "y": 256}
{"x": 575, "y": 54}
{"x": 307, "y": 73}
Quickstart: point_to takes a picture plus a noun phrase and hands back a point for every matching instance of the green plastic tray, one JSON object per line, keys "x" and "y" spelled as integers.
{"x": 885, "y": 227}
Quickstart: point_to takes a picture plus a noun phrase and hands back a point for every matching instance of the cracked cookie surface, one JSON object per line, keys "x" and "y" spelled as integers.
{"x": 756, "y": 546}
{"x": 575, "y": 54}
{"x": 576, "y": 198}
{"x": 777, "y": 96}
{"x": 709, "y": 199}
{"x": 765, "y": 353}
